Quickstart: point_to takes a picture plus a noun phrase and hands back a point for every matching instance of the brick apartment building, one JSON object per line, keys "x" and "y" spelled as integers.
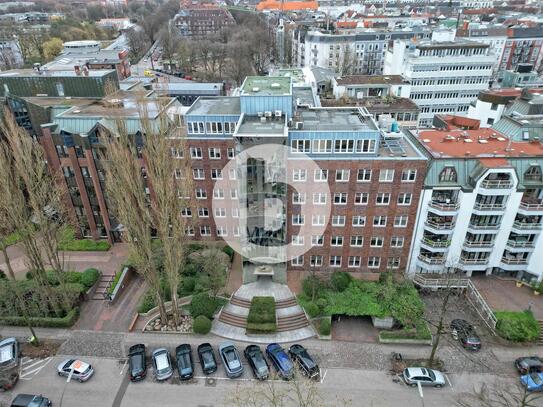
{"x": 203, "y": 20}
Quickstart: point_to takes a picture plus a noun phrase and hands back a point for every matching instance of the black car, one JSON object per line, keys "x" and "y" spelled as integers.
{"x": 305, "y": 362}
{"x": 30, "y": 400}
{"x": 258, "y": 363}
{"x": 185, "y": 364}
{"x": 529, "y": 364}
{"x": 137, "y": 362}
{"x": 207, "y": 358}
{"x": 465, "y": 333}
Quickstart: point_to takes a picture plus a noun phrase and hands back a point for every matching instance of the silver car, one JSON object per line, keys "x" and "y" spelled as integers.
{"x": 424, "y": 376}
{"x": 230, "y": 359}
{"x": 162, "y": 364}
{"x": 9, "y": 353}
{"x": 82, "y": 371}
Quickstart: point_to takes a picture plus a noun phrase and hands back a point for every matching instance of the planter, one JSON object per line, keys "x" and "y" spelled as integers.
{"x": 519, "y": 284}
{"x": 383, "y": 323}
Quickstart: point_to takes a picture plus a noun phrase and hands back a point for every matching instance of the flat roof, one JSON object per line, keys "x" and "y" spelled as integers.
{"x": 304, "y": 94}
{"x": 255, "y": 125}
{"x": 266, "y": 86}
{"x": 297, "y": 74}
{"x": 59, "y": 101}
{"x": 371, "y": 80}
{"x": 479, "y": 143}
{"x": 53, "y": 73}
{"x": 335, "y": 119}
{"x": 225, "y": 105}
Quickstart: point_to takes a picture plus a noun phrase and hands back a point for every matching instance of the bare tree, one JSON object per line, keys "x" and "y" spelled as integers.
{"x": 168, "y": 40}
{"x": 211, "y": 264}
{"x": 501, "y": 394}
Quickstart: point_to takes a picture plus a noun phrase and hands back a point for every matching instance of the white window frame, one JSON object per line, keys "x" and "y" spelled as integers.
{"x": 319, "y": 198}
{"x": 377, "y": 241}
{"x": 299, "y": 175}
{"x": 196, "y": 153}
{"x": 366, "y": 175}
{"x": 380, "y": 221}
{"x": 384, "y": 197}
{"x": 374, "y": 262}
{"x": 342, "y": 175}
{"x": 356, "y": 241}
{"x": 401, "y": 221}
{"x": 298, "y": 198}
{"x": 386, "y": 175}
{"x": 338, "y": 220}
{"x": 318, "y": 220}
{"x": 354, "y": 261}
{"x": 317, "y": 240}
{"x": 297, "y": 219}
{"x": 321, "y": 175}
{"x": 214, "y": 153}
{"x": 335, "y": 261}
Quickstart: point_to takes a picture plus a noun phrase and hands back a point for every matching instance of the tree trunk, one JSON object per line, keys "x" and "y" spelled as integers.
{"x": 161, "y": 307}
{"x": 175, "y": 307}
{"x": 8, "y": 262}
{"x": 439, "y": 332}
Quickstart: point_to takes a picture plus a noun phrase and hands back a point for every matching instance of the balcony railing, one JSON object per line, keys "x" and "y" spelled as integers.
{"x": 526, "y": 225}
{"x": 469, "y": 243}
{"x": 489, "y": 207}
{"x": 439, "y": 225}
{"x": 506, "y": 260}
{"x": 531, "y": 205}
{"x": 514, "y": 243}
{"x": 532, "y": 178}
{"x": 436, "y": 243}
{"x": 431, "y": 260}
{"x": 497, "y": 184}
{"x": 466, "y": 261}
{"x": 484, "y": 225}
{"x": 444, "y": 206}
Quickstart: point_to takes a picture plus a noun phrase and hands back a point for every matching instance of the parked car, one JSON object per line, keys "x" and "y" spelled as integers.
{"x": 82, "y": 371}
{"x": 306, "y": 363}
{"x": 9, "y": 363}
{"x": 162, "y": 364}
{"x": 207, "y": 358}
{"x": 230, "y": 359}
{"x": 529, "y": 364}
{"x": 465, "y": 333}
{"x": 30, "y": 400}
{"x": 185, "y": 364}
{"x": 532, "y": 381}
{"x": 137, "y": 365}
{"x": 280, "y": 361}
{"x": 424, "y": 376}
{"x": 258, "y": 363}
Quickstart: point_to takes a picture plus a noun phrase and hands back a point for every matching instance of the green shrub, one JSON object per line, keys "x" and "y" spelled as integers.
{"x": 312, "y": 310}
{"x": 261, "y": 316}
{"x": 68, "y": 242}
{"x": 89, "y": 277}
{"x": 186, "y": 286}
{"x": 421, "y": 332}
{"x": 314, "y": 285}
{"x": 321, "y": 303}
{"x": 12, "y": 238}
{"x": 147, "y": 302}
{"x": 194, "y": 247}
{"x": 325, "y": 326}
{"x": 190, "y": 269}
{"x": 203, "y": 304}
{"x": 2, "y": 275}
{"x": 115, "y": 281}
{"x": 64, "y": 322}
{"x": 340, "y": 280}
{"x": 517, "y": 326}
{"x": 230, "y": 252}
{"x": 201, "y": 325}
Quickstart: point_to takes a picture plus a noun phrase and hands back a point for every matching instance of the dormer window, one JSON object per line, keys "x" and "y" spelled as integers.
{"x": 448, "y": 174}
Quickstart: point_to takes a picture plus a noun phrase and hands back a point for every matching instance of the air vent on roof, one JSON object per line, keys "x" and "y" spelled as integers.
{"x": 299, "y": 125}
{"x": 255, "y": 89}
{"x": 260, "y": 114}
{"x": 268, "y": 114}
{"x": 449, "y": 137}
{"x": 493, "y": 135}
{"x": 426, "y": 140}
{"x": 275, "y": 85}
{"x": 468, "y": 140}
{"x": 501, "y": 139}
{"x": 483, "y": 141}
{"x": 278, "y": 113}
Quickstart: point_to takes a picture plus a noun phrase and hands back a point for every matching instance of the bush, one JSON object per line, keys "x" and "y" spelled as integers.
{"x": 261, "y": 318}
{"x": 147, "y": 303}
{"x": 194, "y": 247}
{"x": 312, "y": 310}
{"x": 322, "y": 303}
{"x": 115, "y": 281}
{"x": 68, "y": 242}
{"x": 314, "y": 285}
{"x": 203, "y": 304}
{"x": 89, "y": 277}
{"x": 325, "y": 326}
{"x": 517, "y": 326}
{"x": 230, "y": 252}
{"x": 201, "y": 325}
{"x": 340, "y": 280}
{"x": 39, "y": 322}
{"x": 421, "y": 332}
{"x": 186, "y": 286}
{"x": 2, "y": 275}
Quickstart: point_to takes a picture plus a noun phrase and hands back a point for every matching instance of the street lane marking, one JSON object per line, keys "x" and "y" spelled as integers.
{"x": 124, "y": 365}
{"x": 323, "y": 376}
{"x": 449, "y": 380}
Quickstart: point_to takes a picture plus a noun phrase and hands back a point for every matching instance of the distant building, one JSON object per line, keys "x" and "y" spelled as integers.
{"x": 364, "y": 86}
{"x": 187, "y": 92}
{"x": 522, "y": 77}
{"x": 10, "y": 54}
{"x": 200, "y": 22}
{"x": 82, "y": 47}
{"x": 524, "y": 45}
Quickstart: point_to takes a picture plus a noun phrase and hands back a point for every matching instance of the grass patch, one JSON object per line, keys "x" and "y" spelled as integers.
{"x": 261, "y": 318}
{"x": 12, "y": 239}
{"x": 44, "y": 322}
{"x": 115, "y": 281}
{"x": 517, "y": 326}
{"x": 70, "y": 244}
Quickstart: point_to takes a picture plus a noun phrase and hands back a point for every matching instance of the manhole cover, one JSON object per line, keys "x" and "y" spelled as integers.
{"x": 210, "y": 381}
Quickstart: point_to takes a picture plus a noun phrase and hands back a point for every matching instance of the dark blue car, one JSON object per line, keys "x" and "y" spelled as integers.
{"x": 280, "y": 361}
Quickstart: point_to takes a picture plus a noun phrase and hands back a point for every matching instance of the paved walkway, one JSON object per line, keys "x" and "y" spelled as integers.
{"x": 354, "y": 329}
{"x": 235, "y": 277}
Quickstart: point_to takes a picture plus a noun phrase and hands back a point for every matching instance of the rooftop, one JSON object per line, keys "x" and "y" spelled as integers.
{"x": 375, "y": 104}
{"x": 335, "y": 119}
{"x": 55, "y": 74}
{"x": 371, "y": 80}
{"x": 303, "y": 95}
{"x": 426, "y": 44}
{"x": 297, "y": 74}
{"x": 266, "y": 86}
{"x": 50, "y": 101}
{"x": 228, "y": 105}
{"x": 253, "y": 125}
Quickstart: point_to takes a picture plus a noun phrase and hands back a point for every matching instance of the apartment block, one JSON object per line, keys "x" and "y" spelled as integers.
{"x": 523, "y": 46}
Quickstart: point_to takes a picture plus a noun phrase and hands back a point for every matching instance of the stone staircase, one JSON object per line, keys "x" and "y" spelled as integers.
{"x": 103, "y": 286}
{"x": 540, "y": 341}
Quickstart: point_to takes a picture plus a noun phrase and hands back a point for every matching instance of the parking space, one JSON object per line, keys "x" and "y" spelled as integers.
{"x": 32, "y": 366}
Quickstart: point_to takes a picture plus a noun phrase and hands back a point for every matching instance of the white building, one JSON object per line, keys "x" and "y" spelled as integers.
{"x": 446, "y": 75}
{"x": 83, "y": 47}
{"x": 481, "y": 208}
{"x": 477, "y": 4}
{"x": 364, "y": 86}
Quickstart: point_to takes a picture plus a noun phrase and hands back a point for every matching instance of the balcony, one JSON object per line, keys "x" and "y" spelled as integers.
{"x": 473, "y": 262}
{"x": 497, "y": 184}
{"x": 480, "y": 206}
{"x": 435, "y": 245}
{"x": 431, "y": 260}
{"x": 519, "y": 246}
{"x": 507, "y": 260}
{"x": 477, "y": 227}
{"x": 511, "y": 264}
{"x": 526, "y": 226}
{"x": 444, "y": 206}
{"x": 529, "y": 206}
{"x": 478, "y": 246}
{"x": 438, "y": 227}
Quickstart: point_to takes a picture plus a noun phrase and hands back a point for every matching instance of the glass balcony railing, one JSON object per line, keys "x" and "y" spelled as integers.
{"x": 527, "y": 225}
{"x": 489, "y": 206}
{"x": 444, "y": 206}
{"x": 431, "y": 260}
{"x": 507, "y": 260}
{"x": 439, "y": 225}
{"x": 436, "y": 243}
{"x": 468, "y": 261}
{"x": 476, "y": 244}
{"x": 497, "y": 184}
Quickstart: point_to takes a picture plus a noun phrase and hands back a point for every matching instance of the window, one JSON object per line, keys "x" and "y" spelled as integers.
{"x": 232, "y": 174}
{"x": 365, "y": 146}
{"x": 203, "y": 213}
{"x": 298, "y": 198}
{"x": 379, "y": 221}
{"x": 393, "y": 263}
{"x": 318, "y": 220}
{"x": 342, "y": 175}
{"x": 533, "y": 173}
{"x": 335, "y": 261}
{"x": 178, "y": 174}
{"x": 186, "y": 212}
{"x": 383, "y": 198}
{"x": 189, "y": 231}
{"x": 214, "y": 153}
{"x": 448, "y": 174}
{"x": 317, "y": 240}
{"x": 396, "y": 241}
{"x": 490, "y": 121}
{"x": 322, "y": 146}
{"x": 233, "y": 194}
{"x": 235, "y": 231}
{"x": 344, "y": 146}
{"x": 235, "y": 212}
{"x": 299, "y": 175}
{"x": 176, "y": 152}
{"x": 359, "y": 221}
{"x": 219, "y": 213}
{"x": 361, "y": 198}
{"x": 205, "y": 230}
{"x": 222, "y": 231}
{"x": 218, "y": 193}
{"x": 374, "y": 262}
{"x": 376, "y": 241}
{"x": 338, "y": 220}
{"x": 201, "y": 193}
{"x": 340, "y": 198}
{"x": 357, "y": 241}
{"x": 198, "y": 173}
{"x": 196, "y": 153}
{"x": 297, "y": 261}
{"x": 319, "y": 198}
{"x": 409, "y": 175}
{"x": 336, "y": 241}
{"x": 315, "y": 261}
{"x": 404, "y": 199}
{"x": 400, "y": 221}
{"x": 386, "y": 175}
{"x": 298, "y": 240}
{"x": 494, "y": 106}
{"x": 300, "y": 146}
{"x": 216, "y": 173}
{"x": 364, "y": 175}
{"x": 298, "y": 219}
{"x": 354, "y": 261}
{"x": 321, "y": 175}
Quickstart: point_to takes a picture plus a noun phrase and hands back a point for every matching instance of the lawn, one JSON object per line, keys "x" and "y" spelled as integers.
{"x": 69, "y": 243}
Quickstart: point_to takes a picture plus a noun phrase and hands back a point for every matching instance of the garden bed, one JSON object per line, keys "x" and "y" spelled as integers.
{"x": 520, "y": 327}
{"x": 261, "y": 318}
{"x": 69, "y": 243}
